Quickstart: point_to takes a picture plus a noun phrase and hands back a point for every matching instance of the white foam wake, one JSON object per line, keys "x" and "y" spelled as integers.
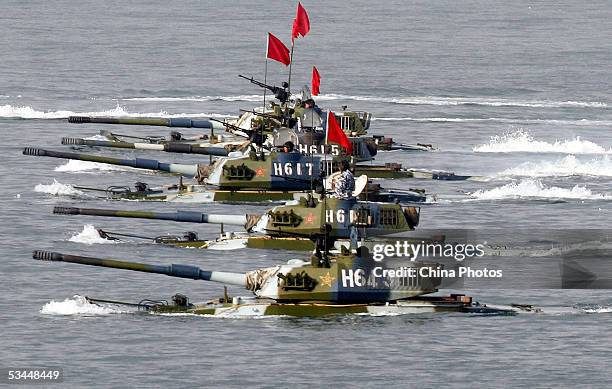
{"x": 564, "y": 167}
{"x": 90, "y": 236}
{"x": 27, "y": 112}
{"x": 77, "y": 305}
{"x": 530, "y": 188}
{"x": 57, "y": 189}
{"x": 522, "y": 141}
{"x": 74, "y": 165}
{"x": 598, "y": 309}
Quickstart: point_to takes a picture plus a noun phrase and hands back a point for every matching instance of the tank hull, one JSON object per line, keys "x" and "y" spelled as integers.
{"x": 242, "y": 242}
{"x": 242, "y": 307}
{"x": 201, "y": 194}
{"x": 237, "y": 241}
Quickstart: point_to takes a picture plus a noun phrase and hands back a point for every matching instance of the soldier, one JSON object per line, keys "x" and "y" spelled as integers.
{"x": 276, "y": 109}
{"x": 310, "y": 104}
{"x": 311, "y": 115}
{"x": 288, "y": 147}
{"x": 344, "y": 185}
{"x": 298, "y": 109}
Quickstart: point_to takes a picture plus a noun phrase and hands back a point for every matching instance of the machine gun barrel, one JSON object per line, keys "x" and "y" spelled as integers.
{"x": 232, "y": 128}
{"x": 140, "y": 163}
{"x": 171, "y": 147}
{"x": 280, "y": 93}
{"x": 178, "y": 216}
{"x": 259, "y": 83}
{"x": 253, "y": 136}
{"x": 165, "y": 122}
{"x": 262, "y": 114}
{"x": 174, "y": 270}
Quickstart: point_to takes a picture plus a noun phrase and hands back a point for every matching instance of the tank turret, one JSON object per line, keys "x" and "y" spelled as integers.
{"x": 305, "y": 217}
{"x": 273, "y": 171}
{"x": 343, "y": 279}
{"x": 258, "y": 170}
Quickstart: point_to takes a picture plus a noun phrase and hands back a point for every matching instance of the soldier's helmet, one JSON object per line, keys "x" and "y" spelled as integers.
{"x": 288, "y": 147}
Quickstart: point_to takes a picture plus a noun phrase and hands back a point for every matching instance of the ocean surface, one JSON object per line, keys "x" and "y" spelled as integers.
{"x": 517, "y": 92}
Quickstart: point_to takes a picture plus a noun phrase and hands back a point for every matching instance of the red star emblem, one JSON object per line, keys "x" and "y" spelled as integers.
{"x": 260, "y": 171}
{"x": 310, "y": 218}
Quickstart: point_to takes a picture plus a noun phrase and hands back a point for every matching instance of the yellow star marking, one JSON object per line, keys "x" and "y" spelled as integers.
{"x": 327, "y": 279}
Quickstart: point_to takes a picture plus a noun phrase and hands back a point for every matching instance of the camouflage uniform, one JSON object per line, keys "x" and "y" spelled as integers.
{"x": 345, "y": 185}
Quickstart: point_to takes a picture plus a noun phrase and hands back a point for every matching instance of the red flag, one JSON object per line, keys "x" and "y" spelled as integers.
{"x": 277, "y": 50}
{"x": 301, "y": 23}
{"x": 316, "y": 81}
{"x": 336, "y": 134}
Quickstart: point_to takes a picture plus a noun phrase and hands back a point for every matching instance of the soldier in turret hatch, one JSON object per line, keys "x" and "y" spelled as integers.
{"x": 311, "y": 115}
{"x": 344, "y": 185}
{"x": 276, "y": 109}
{"x": 298, "y": 109}
{"x": 288, "y": 147}
{"x": 310, "y": 103}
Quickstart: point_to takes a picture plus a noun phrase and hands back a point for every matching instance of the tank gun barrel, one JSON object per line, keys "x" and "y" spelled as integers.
{"x": 178, "y": 216}
{"x": 174, "y": 270}
{"x": 140, "y": 163}
{"x": 171, "y": 147}
{"x": 144, "y": 121}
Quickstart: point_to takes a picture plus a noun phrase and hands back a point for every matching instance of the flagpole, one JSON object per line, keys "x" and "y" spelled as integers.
{"x": 290, "y": 64}
{"x": 328, "y": 174}
{"x": 266, "y": 74}
{"x": 327, "y": 128}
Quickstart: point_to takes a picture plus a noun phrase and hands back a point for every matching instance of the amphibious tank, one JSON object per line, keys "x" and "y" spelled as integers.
{"x": 322, "y": 286}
